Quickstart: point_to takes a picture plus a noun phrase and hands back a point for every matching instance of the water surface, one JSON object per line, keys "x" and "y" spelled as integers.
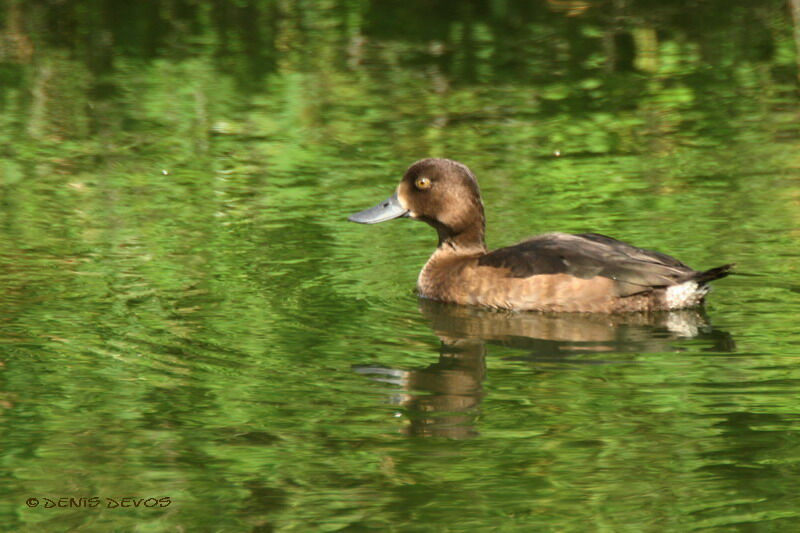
{"x": 186, "y": 312}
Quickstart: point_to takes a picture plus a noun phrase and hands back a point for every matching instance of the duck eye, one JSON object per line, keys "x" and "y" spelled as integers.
{"x": 423, "y": 183}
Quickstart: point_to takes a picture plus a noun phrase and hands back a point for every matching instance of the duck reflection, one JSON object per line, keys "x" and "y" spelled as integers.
{"x": 443, "y": 398}
{"x": 556, "y": 335}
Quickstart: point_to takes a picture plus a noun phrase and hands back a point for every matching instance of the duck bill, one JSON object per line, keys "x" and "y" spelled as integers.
{"x": 386, "y": 210}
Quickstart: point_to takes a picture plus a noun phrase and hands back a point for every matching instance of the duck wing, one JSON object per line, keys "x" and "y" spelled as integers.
{"x": 587, "y": 255}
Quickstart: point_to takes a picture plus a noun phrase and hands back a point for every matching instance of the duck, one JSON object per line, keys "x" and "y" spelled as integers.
{"x": 551, "y": 272}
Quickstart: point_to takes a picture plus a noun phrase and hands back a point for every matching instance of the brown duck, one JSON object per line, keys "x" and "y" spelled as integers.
{"x": 586, "y": 272}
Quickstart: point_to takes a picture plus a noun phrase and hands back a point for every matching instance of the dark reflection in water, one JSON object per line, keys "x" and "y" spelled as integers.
{"x": 451, "y": 389}
{"x": 546, "y": 335}
{"x": 442, "y": 399}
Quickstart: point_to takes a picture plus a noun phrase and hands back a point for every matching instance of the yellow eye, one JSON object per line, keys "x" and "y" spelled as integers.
{"x": 423, "y": 183}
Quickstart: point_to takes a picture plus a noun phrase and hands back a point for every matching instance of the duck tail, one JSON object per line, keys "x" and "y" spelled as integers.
{"x": 711, "y": 274}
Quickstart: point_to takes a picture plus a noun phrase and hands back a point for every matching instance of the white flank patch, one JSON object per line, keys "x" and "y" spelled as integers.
{"x": 687, "y": 294}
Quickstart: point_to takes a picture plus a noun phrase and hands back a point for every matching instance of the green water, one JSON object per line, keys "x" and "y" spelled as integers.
{"x": 186, "y": 314}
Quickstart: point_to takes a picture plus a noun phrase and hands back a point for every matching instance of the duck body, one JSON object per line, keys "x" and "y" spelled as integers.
{"x": 555, "y": 272}
{"x": 565, "y": 273}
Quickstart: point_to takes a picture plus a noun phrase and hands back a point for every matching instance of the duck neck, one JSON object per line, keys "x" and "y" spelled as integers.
{"x": 469, "y": 240}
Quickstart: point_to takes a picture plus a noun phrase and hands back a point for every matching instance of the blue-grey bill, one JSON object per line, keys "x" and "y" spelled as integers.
{"x": 386, "y": 210}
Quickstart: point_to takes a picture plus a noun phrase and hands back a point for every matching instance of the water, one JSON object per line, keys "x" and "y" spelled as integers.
{"x": 186, "y": 313}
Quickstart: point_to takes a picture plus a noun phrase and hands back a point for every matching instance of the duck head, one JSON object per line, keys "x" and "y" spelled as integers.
{"x": 441, "y": 192}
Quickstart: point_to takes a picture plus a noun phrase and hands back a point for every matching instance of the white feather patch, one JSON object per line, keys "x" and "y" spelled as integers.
{"x": 687, "y": 294}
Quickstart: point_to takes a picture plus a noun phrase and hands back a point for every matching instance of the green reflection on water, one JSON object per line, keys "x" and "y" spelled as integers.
{"x": 186, "y": 312}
